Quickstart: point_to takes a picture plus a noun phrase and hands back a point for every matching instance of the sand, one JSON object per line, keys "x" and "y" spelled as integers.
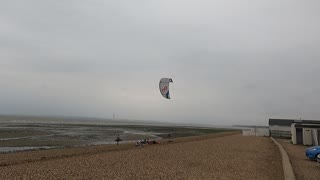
{"x": 218, "y": 156}
{"x": 304, "y": 168}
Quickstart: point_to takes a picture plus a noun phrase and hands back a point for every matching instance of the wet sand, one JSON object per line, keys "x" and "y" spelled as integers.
{"x": 216, "y": 156}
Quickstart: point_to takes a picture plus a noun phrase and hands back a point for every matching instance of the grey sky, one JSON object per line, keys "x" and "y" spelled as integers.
{"x": 232, "y": 62}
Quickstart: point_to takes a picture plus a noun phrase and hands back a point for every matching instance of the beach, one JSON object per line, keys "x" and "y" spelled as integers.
{"x": 217, "y": 156}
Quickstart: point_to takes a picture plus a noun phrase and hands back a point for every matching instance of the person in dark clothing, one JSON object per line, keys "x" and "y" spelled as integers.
{"x": 118, "y": 139}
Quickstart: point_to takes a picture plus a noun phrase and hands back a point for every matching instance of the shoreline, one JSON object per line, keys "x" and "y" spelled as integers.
{"x": 47, "y": 154}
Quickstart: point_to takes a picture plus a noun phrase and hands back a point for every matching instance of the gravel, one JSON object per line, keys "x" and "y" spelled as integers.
{"x": 219, "y": 156}
{"x": 303, "y": 167}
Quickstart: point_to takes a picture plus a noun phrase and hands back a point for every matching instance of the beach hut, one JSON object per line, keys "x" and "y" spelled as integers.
{"x": 306, "y": 133}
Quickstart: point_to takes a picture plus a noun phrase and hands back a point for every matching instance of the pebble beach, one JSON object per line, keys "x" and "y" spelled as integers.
{"x": 216, "y": 156}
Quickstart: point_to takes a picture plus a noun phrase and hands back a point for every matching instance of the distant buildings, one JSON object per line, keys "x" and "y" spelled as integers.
{"x": 305, "y": 132}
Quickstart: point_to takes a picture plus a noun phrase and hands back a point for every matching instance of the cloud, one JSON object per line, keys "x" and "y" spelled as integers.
{"x": 232, "y": 62}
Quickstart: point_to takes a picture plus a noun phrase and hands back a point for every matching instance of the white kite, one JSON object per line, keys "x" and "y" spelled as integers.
{"x": 164, "y": 87}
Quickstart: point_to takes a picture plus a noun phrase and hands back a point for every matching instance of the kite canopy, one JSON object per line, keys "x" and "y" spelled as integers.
{"x": 164, "y": 87}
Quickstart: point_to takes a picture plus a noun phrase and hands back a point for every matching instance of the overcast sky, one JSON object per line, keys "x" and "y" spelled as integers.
{"x": 232, "y": 62}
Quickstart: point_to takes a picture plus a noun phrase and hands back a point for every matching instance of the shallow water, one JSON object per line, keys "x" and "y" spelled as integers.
{"x": 42, "y": 133}
{"x": 16, "y": 149}
{"x": 20, "y": 137}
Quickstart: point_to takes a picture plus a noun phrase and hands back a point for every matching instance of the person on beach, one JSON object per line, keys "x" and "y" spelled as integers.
{"x": 118, "y": 139}
{"x": 170, "y": 137}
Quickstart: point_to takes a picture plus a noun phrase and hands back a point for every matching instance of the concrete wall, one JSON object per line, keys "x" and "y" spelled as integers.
{"x": 248, "y": 132}
{"x": 315, "y": 140}
{"x": 258, "y": 131}
{"x": 293, "y": 133}
{"x": 262, "y": 132}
